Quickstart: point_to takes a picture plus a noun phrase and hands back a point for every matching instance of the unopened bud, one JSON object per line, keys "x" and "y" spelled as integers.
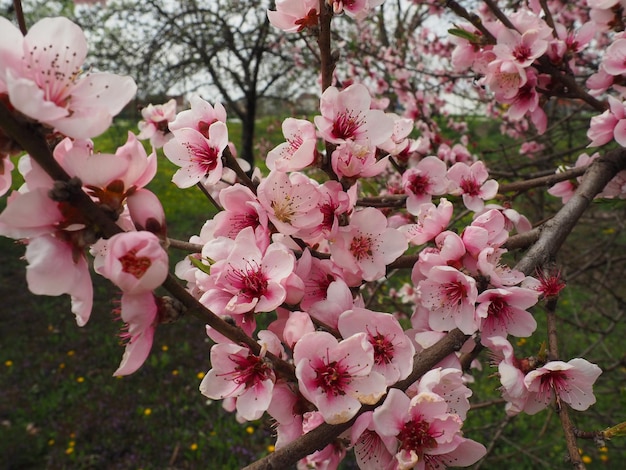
{"x": 618, "y": 430}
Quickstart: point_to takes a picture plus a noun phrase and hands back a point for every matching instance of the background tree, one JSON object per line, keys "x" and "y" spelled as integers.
{"x": 225, "y": 50}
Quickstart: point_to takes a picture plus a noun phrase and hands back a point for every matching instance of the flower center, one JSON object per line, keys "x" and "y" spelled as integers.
{"x": 283, "y": 210}
{"x": 135, "y": 265}
{"x": 251, "y": 282}
{"x": 309, "y": 21}
{"x": 416, "y": 435}
{"x": 328, "y": 212}
{"x": 470, "y": 186}
{"x": 250, "y": 370}
{"x": 383, "y": 348}
{"x": 521, "y": 53}
{"x": 203, "y": 127}
{"x": 553, "y": 381}
{"x": 204, "y": 156}
{"x": 499, "y": 310}
{"x": 455, "y": 292}
{"x": 361, "y": 247}
{"x": 346, "y": 125}
{"x": 333, "y": 378}
{"x": 419, "y": 184}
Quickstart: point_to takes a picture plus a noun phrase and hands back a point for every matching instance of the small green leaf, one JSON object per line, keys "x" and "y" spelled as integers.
{"x": 618, "y": 430}
{"x": 471, "y": 37}
{"x": 200, "y": 265}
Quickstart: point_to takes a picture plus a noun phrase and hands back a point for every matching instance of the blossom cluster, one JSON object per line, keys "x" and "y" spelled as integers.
{"x": 292, "y": 256}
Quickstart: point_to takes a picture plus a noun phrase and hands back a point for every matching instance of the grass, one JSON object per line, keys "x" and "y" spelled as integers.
{"x": 62, "y": 409}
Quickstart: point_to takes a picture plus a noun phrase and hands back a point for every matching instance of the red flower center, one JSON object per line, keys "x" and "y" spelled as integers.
{"x": 333, "y": 378}
{"x": 135, "y": 265}
{"x": 419, "y": 184}
{"x": 383, "y": 348}
{"x": 361, "y": 247}
{"x": 204, "y": 156}
{"x": 455, "y": 292}
{"x": 346, "y": 125}
{"x": 470, "y": 186}
{"x": 250, "y": 370}
{"x": 416, "y": 435}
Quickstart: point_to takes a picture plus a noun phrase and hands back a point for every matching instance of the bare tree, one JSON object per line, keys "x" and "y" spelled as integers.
{"x": 224, "y": 49}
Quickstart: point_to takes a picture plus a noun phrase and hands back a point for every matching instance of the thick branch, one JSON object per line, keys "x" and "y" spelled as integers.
{"x": 541, "y": 181}
{"x": 556, "y": 230}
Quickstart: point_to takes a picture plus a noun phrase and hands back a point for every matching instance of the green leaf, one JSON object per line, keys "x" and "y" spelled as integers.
{"x": 200, "y": 265}
{"x": 471, "y": 37}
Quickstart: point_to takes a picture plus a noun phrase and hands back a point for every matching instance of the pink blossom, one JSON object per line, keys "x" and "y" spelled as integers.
{"x": 422, "y": 427}
{"x": 505, "y": 78}
{"x": 241, "y": 209}
{"x": 431, "y": 221}
{"x": 146, "y": 212}
{"x": 346, "y": 115}
{"x": 199, "y": 117}
{"x": 572, "y": 382}
{"x": 449, "y": 384}
{"x": 197, "y": 155}
{"x": 511, "y": 374}
{"x": 489, "y": 265}
{"x": 338, "y": 299}
{"x": 45, "y": 81}
{"x": 471, "y": 182}
{"x": 503, "y": 311}
{"x": 297, "y": 325}
{"x": 327, "y": 458}
{"x": 399, "y": 141}
{"x": 448, "y": 251}
{"x": 317, "y": 275}
{"x": 236, "y": 372}
{"x": 355, "y": 8}
{"x": 513, "y": 220}
{"x": 294, "y": 15}
{"x": 285, "y": 408}
{"x": 488, "y": 229}
{"x": 139, "y": 312}
{"x": 523, "y": 49}
{"x": 357, "y": 160}
{"x": 366, "y": 246}
{"x": 450, "y": 296}
{"x": 154, "y": 125}
{"x": 299, "y": 150}
{"x": 333, "y": 203}
{"x": 372, "y": 451}
{"x": 48, "y": 254}
{"x": 244, "y": 278}
{"x": 526, "y": 101}
{"x": 393, "y": 351}
{"x": 599, "y": 82}
{"x": 609, "y": 125}
{"x": 291, "y": 201}
{"x": 335, "y": 376}
{"x": 109, "y": 178}
{"x": 134, "y": 261}
{"x": 428, "y": 178}
{"x": 614, "y": 61}
{"x": 57, "y": 240}
{"x": 563, "y": 189}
